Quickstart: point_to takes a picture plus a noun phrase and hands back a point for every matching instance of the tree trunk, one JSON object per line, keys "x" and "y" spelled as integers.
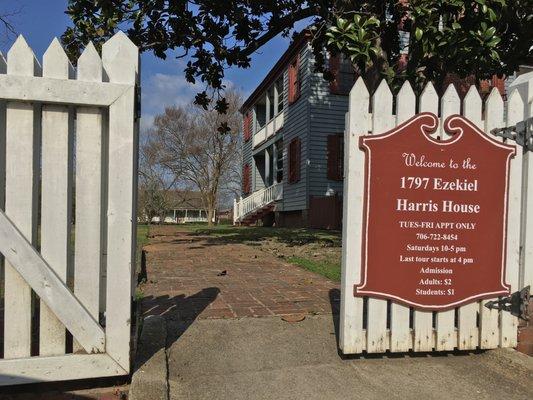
{"x": 210, "y": 215}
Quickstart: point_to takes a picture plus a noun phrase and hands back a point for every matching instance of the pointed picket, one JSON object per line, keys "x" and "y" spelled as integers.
{"x": 489, "y": 330}
{"x": 468, "y": 335}
{"x": 446, "y": 338}
{"x": 382, "y": 121}
{"x": 401, "y": 337}
{"x": 351, "y": 336}
{"x": 90, "y": 67}
{"x": 405, "y": 103}
{"x": 382, "y": 118}
{"x": 429, "y": 102}
{"x": 423, "y": 320}
{"x": 508, "y": 322}
{"x": 450, "y": 104}
{"x": 120, "y": 59}
{"x": 494, "y": 111}
{"x": 20, "y": 200}
{"x": 472, "y": 107}
{"x": 56, "y": 195}
{"x": 89, "y": 194}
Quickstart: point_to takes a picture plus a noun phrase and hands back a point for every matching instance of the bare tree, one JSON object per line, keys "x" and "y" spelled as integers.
{"x": 7, "y": 27}
{"x": 198, "y": 151}
{"x": 155, "y": 183}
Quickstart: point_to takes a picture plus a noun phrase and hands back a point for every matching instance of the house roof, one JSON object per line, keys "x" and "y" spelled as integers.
{"x": 186, "y": 199}
{"x": 278, "y": 68}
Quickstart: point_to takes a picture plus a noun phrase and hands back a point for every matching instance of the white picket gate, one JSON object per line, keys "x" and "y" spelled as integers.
{"x": 62, "y": 129}
{"x": 375, "y": 325}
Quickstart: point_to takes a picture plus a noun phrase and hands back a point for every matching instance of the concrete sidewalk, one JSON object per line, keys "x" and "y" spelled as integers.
{"x": 267, "y": 358}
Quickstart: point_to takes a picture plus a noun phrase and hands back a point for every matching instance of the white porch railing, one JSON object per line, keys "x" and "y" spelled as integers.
{"x": 256, "y": 200}
{"x": 274, "y": 125}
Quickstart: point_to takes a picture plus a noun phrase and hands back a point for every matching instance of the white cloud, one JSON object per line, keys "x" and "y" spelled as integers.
{"x": 161, "y": 90}
{"x": 146, "y": 121}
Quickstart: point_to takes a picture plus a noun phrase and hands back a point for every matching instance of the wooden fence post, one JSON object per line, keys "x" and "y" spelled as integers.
{"x": 351, "y": 336}
{"x": 423, "y": 320}
{"x": 120, "y": 60}
{"x": 468, "y": 335}
{"x": 524, "y": 85}
{"x": 89, "y": 192}
{"x": 22, "y": 143}
{"x": 56, "y": 195}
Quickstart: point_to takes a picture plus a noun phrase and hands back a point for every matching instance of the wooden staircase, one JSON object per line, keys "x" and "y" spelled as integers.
{"x": 254, "y": 207}
{"x": 257, "y": 215}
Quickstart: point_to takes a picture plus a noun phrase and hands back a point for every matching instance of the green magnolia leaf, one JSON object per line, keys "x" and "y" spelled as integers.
{"x": 341, "y": 23}
{"x": 495, "y": 40}
{"x": 418, "y": 33}
{"x": 490, "y": 32}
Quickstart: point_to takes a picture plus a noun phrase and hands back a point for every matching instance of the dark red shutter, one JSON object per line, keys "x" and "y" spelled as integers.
{"x": 291, "y": 162}
{"x": 294, "y": 80}
{"x": 246, "y": 179}
{"x": 298, "y": 158}
{"x": 333, "y": 146}
{"x": 334, "y": 66}
{"x": 247, "y": 128}
{"x": 335, "y": 157}
{"x": 294, "y": 160}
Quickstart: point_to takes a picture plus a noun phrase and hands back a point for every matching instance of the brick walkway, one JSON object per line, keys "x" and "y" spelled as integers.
{"x": 186, "y": 280}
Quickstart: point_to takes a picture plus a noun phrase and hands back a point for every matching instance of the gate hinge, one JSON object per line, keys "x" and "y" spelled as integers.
{"x": 517, "y": 304}
{"x": 521, "y": 133}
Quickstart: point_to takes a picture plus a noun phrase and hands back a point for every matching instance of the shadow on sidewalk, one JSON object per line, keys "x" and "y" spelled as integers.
{"x": 177, "y": 315}
{"x": 335, "y": 301}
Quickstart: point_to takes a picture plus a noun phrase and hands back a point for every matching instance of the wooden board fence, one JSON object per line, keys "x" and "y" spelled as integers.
{"x": 49, "y": 117}
{"x": 375, "y": 325}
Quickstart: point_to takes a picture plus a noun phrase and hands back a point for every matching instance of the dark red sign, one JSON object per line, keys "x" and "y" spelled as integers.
{"x": 434, "y": 232}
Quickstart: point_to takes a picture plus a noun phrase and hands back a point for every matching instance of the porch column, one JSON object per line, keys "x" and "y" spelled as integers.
{"x": 275, "y": 161}
{"x": 276, "y": 97}
{"x": 267, "y": 109}
{"x": 267, "y": 168}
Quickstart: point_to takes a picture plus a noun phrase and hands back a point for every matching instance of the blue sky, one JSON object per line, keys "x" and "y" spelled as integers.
{"x": 163, "y": 81}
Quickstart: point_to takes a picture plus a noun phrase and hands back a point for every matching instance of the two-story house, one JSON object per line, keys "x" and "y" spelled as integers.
{"x": 293, "y": 133}
{"x": 292, "y": 144}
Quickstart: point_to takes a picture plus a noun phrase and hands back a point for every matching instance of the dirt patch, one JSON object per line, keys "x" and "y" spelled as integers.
{"x": 322, "y": 251}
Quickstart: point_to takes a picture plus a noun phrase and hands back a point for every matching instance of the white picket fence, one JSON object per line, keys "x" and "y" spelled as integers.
{"x": 53, "y": 117}
{"x": 256, "y": 200}
{"x": 375, "y": 325}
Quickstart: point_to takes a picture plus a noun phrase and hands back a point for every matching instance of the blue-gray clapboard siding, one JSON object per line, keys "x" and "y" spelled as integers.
{"x": 297, "y": 125}
{"x": 327, "y": 117}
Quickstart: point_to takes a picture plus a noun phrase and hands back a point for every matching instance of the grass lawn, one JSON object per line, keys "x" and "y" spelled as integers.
{"x": 329, "y": 269}
{"x": 318, "y": 251}
{"x": 142, "y": 238}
